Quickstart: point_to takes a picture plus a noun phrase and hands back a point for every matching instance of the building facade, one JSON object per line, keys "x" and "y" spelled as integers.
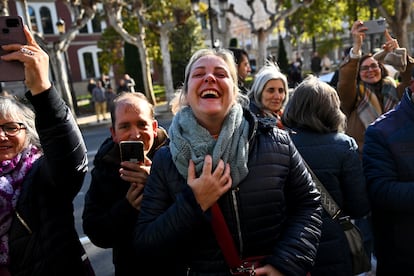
{"x": 82, "y": 54}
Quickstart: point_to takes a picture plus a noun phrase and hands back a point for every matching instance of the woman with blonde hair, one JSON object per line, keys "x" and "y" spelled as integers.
{"x": 221, "y": 158}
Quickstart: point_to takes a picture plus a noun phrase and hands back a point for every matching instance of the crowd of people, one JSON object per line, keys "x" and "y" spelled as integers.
{"x": 103, "y": 94}
{"x": 227, "y": 189}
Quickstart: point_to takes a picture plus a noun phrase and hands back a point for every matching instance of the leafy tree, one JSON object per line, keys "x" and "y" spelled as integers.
{"x": 185, "y": 40}
{"x": 322, "y": 23}
{"x": 133, "y": 31}
{"x": 274, "y": 13}
{"x": 112, "y": 42}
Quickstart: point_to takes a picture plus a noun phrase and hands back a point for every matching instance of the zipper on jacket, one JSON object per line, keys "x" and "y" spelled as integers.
{"x": 23, "y": 222}
{"x": 236, "y": 210}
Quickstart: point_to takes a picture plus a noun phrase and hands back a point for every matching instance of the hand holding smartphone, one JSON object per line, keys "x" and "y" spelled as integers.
{"x": 132, "y": 151}
{"x": 11, "y": 32}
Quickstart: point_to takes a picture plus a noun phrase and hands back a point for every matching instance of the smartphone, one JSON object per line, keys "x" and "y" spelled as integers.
{"x": 11, "y": 31}
{"x": 375, "y": 26}
{"x": 132, "y": 151}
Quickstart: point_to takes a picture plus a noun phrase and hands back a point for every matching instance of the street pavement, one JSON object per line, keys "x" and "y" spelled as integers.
{"x": 162, "y": 112}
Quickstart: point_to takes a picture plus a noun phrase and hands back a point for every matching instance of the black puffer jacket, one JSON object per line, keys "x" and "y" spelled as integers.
{"x": 334, "y": 158}
{"x": 274, "y": 211}
{"x": 52, "y": 246}
{"x": 108, "y": 217}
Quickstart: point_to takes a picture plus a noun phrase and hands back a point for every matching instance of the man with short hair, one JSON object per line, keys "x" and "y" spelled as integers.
{"x": 316, "y": 64}
{"x": 241, "y": 57}
{"x": 113, "y": 200}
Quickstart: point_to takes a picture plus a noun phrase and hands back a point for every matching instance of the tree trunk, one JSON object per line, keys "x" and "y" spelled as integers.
{"x": 166, "y": 61}
{"x": 261, "y": 37}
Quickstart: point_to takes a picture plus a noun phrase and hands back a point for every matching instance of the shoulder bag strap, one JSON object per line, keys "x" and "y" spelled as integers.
{"x": 224, "y": 238}
{"x": 327, "y": 201}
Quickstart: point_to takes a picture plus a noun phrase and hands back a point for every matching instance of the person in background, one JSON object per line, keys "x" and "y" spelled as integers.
{"x": 43, "y": 163}
{"x": 269, "y": 93}
{"x": 99, "y": 100}
{"x": 294, "y": 73}
{"x": 366, "y": 91}
{"x": 122, "y": 87}
{"x": 91, "y": 85}
{"x": 130, "y": 83}
{"x": 326, "y": 64}
{"x": 316, "y": 64}
{"x": 105, "y": 81}
{"x": 388, "y": 161}
{"x": 316, "y": 125}
{"x": 364, "y": 87}
{"x": 334, "y": 80}
{"x": 298, "y": 58}
{"x": 109, "y": 96}
{"x": 113, "y": 199}
{"x": 219, "y": 155}
{"x": 241, "y": 57}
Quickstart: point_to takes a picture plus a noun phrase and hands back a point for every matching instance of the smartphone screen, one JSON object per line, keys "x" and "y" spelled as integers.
{"x": 132, "y": 151}
{"x": 11, "y": 31}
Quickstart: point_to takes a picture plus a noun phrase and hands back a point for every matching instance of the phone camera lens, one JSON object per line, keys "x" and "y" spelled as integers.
{"x": 12, "y": 22}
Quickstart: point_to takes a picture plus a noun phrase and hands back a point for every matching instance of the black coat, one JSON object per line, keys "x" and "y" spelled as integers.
{"x": 274, "y": 211}
{"x": 49, "y": 245}
{"x": 108, "y": 217}
{"x": 388, "y": 160}
{"x": 334, "y": 158}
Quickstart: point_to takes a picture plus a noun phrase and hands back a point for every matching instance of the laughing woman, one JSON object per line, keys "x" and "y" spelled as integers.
{"x": 221, "y": 158}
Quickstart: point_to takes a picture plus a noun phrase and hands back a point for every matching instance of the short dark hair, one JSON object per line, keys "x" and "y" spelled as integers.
{"x": 238, "y": 53}
{"x": 384, "y": 71}
{"x": 129, "y": 98}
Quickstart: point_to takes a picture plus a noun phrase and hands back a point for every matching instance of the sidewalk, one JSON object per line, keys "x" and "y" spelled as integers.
{"x": 89, "y": 120}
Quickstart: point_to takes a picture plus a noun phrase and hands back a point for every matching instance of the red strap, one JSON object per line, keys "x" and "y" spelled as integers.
{"x": 224, "y": 238}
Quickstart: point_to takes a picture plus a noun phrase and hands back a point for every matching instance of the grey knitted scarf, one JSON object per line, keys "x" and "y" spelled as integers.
{"x": 189, "y": 140}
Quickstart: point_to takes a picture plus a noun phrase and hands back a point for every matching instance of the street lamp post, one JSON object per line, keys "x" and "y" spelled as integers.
{"x": 210, "y": 20}
{"x": 222, "y": 6}
{"x": 60, "y": 25}
{"x": 372, "y": 5}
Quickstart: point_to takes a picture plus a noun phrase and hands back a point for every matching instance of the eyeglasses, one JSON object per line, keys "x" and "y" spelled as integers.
{"x": 12, "y": 128}
{"x": 372, "y": 66}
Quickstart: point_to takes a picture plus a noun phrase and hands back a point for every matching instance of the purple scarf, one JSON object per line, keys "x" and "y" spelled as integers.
{"x": 12, "y": 173}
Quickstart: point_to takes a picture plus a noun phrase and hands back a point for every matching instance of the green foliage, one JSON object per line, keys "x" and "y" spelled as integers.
{"x": 322, "y": 20}
{"x": 159, "y": 92}
{"x": 110, "y": 41}
{"x": 185, "y": 39}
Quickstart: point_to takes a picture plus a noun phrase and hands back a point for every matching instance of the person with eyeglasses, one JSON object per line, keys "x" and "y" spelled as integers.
{"x": 43, "y": 163}
{"x": 364, "y": 86}
{"x": 366, "y": 92}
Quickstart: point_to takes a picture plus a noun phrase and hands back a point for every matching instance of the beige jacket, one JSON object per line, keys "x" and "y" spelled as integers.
{"x": 348, "y": 93}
